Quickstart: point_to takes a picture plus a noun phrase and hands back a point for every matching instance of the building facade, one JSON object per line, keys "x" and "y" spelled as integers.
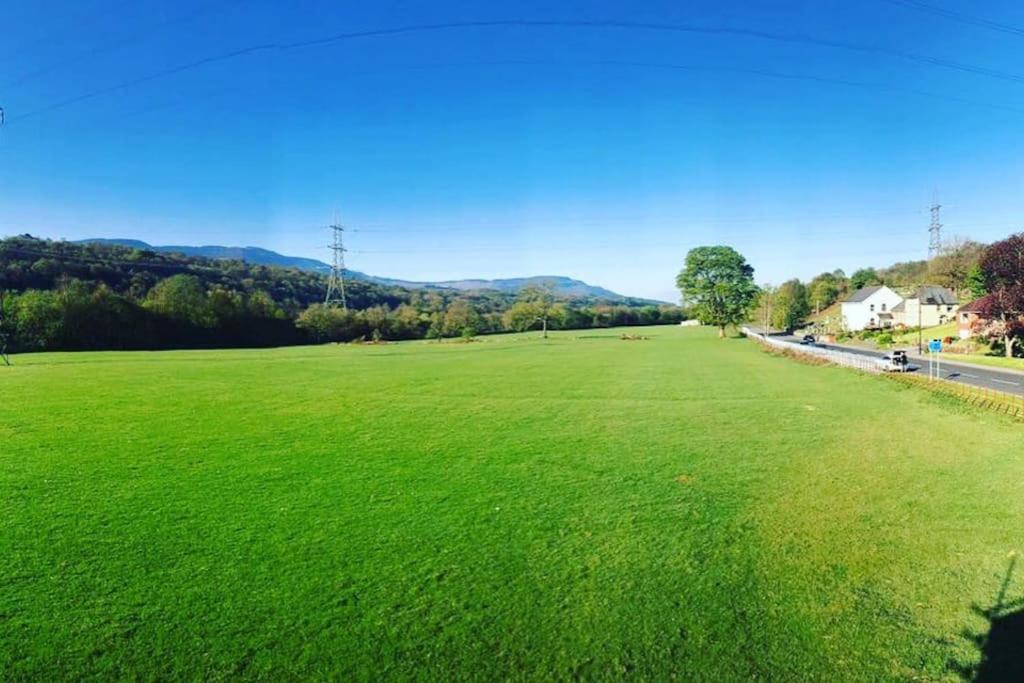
{"x": 870, "y": 308}
{"x": 928, "y": 306}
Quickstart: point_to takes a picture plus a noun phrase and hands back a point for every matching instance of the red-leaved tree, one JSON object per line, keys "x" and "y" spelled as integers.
{"x": 1003, "y": 269}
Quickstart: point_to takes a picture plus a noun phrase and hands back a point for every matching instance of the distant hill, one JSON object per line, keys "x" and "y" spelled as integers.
{"x": 564, "y": 286}
{"x": 255, "y": 255}
{"x": 560, "y": 285}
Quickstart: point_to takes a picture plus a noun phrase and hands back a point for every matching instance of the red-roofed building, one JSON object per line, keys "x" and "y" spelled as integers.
{"x": 970, "y": 316}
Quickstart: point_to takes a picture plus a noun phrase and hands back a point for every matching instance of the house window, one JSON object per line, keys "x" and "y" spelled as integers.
{"x": 872, "y": 309}
{"x": 883, "y": 308}
{"x": 948, "y": 309}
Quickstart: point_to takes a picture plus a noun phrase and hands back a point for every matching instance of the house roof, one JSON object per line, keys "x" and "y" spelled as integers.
{"x": 862, "y": 294}
{"x": 976, "y": 306}
{"x": 934, "y": 294}
{"x": 900, "y": 307}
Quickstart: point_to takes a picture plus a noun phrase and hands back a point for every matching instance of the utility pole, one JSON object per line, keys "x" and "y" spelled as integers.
{"x": 934, "y": 232}
{"x": 336, "y": 280}
{"x": 920, "y": 339}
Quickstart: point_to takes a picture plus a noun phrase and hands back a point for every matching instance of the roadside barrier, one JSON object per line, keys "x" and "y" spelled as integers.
{"x": 833, "y": 356}
{"x": 990, "y": 399}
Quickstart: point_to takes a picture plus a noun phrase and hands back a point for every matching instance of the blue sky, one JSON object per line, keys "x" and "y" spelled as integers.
{"x": 602, "y": 153}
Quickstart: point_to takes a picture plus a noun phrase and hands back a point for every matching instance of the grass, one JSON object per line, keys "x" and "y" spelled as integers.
{"x": 581, "y": 507}
{"x": 927, "y": 334}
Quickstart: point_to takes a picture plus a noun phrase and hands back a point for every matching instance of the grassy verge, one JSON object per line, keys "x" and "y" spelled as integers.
{"x": 991, "y": 361}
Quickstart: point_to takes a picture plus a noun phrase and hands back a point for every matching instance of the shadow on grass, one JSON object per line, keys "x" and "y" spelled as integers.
{"x": 1002, "y": 646}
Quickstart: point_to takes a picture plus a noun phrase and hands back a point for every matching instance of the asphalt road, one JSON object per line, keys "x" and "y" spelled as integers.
{"x": 974, "y": 375}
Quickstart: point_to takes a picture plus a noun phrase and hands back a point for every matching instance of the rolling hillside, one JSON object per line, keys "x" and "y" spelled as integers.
{"x": 561, "y": 285}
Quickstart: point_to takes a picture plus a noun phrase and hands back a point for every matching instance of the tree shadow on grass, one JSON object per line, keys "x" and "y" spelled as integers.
{"x": 1002, "y": 646}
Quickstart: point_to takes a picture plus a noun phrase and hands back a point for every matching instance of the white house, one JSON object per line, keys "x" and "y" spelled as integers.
{"x": 870, "y": 307}
{"x": 929, "y": 306}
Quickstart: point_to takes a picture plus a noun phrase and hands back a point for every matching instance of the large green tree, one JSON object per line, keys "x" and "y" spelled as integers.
{"x": 717, "y": 285}
{"x": 791, "y": 305}
{"x": 536, "y": 305}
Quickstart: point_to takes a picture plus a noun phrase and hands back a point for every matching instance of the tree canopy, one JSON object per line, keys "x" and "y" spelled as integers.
{"x": 864, "y": 277}
{"x": 824, "y": 289}
{"x": 1002, "y": 269}
{"x": 717, "y": 284}
{"x": 791, "y": 305}
{"x": 536, "y": 305}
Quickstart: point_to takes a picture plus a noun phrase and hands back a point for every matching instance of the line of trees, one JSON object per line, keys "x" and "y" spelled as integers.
{"x": 61, "y": 296}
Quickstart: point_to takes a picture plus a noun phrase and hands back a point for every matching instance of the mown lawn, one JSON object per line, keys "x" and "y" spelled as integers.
{"x": 582, "y": 507}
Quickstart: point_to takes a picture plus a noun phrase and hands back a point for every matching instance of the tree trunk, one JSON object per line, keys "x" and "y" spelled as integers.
{"x": 545, "y": 324}
{"x": 1008, "y": 342}
{"x": 721, "y": 331}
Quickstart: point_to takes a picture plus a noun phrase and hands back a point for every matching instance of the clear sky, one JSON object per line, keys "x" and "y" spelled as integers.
{"x": 809, "y": 135}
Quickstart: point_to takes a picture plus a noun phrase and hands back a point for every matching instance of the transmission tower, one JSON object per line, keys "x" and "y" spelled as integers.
{"x": 336, "y": 280}
{"x": 935, "y": 232}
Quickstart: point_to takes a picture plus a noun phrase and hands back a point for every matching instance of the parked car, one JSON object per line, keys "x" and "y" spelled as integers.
{"x": 896, "y": 361}
{"x": 808, "y": 339}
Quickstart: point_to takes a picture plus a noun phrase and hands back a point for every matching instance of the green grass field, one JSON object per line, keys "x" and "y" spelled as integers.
{"x": 514, "y": 508}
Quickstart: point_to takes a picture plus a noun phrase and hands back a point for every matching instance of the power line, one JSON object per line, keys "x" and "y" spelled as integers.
{"x": 336, "y": 280}
{"x": 528, "y": 24}
{"x": 816, "y": 79}
{"x": 193, "y": 98}
{"x": 110, "y": 46}
{"x": 651, "y": 26}
{"x": 960, "y": 17}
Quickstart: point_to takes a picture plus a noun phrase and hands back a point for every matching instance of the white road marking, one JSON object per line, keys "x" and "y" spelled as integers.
{"x": 1003, "y": 381}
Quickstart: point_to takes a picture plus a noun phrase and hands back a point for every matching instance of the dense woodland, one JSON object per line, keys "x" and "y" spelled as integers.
{"x": 64, "y": 296}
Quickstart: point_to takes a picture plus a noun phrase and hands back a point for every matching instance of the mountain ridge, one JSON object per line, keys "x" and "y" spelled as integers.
{"x": 560, "y": 284}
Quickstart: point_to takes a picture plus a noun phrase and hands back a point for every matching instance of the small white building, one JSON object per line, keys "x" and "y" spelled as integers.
{"x": 870, "y": 308}
{"x": 928, "y": 306}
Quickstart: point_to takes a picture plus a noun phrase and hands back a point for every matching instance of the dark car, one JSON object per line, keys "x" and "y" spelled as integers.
{"x": 808, "y": 339}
